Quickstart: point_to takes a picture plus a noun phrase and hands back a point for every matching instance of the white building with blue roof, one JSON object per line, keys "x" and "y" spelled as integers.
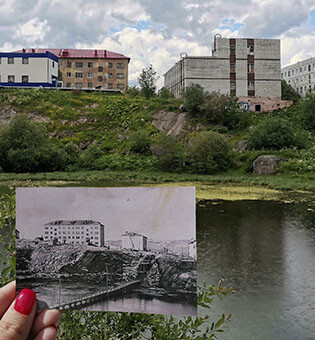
{"x": 21, "y": 69}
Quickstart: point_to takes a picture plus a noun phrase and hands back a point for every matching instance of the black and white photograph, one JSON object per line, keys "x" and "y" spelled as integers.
{"x": 108, "y": 249}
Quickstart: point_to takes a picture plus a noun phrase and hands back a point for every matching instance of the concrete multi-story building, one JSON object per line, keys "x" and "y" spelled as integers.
{"x": 28, "y": 69}
{"x": 301, "y": 76}
{"x": 134, "y": 241}
{"x": 75, "y": 232}
{"x": 246, "y": 68}
{"x": 82, "y": 68}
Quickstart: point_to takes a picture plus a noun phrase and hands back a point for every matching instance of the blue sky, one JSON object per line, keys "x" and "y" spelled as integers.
{"x": 156, "y": 32}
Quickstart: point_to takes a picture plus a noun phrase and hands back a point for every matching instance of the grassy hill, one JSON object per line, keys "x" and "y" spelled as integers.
{"x": 115, "y": 133}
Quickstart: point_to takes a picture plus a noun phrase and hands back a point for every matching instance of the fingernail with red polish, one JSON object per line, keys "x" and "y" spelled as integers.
{"x": 25, "y": 301}
{"x": 56, "y": 328}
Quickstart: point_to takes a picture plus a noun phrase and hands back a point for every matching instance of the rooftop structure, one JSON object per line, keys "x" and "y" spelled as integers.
{"x": 134, "y": 241}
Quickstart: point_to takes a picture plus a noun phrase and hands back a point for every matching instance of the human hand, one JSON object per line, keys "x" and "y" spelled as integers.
{"x": 18, "y": 318}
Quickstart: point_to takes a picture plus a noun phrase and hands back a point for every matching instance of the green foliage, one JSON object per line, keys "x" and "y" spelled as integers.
{"x": 209, "y": 152}
{"x": 132, "y": 91}
{"x": 307, "y": 115}
{"x": 194, "y": 97}
{"x": 164, "y": 93}
{"x": 7, "y": 239}
{"x": 224, "y": 110}
{"x": 288, "y": 92}
{"x": 276, "y": 133}
{"x": 303, "y": 163}
{"x": 87, "y": 158}
{"x": 25, "y": 147}
{"x": 147, "y": 82}
{"x": 169, "y": 153}
{"x": 127, "y": 326}
{"x": 140, "y": 141}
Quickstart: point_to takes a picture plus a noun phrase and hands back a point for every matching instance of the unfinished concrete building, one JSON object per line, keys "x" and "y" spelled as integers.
{"x": 245, "y": 68}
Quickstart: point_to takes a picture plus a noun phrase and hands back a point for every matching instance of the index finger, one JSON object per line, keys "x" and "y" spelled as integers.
{"x": 7, "y": 295}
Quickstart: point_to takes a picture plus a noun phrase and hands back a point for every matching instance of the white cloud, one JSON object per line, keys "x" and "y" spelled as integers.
{"x": 33, "y": 31}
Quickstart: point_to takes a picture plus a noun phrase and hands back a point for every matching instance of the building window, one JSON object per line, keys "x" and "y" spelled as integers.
{"x": 120, "y": 86}
{"x": 301, "y": 69}
{"x": 100, "y": 69}
{"x": 120, "y": 75}
{"x": 69, "y": 63}
{"x": 289, "y": 74}
{"x": 53, "y": 64}
{"x": 78, "y": 85}
{"x": 120, "y": 65}
{"x": 90, "y": 85}
{"x": 68, "y": 74}
{"x": 304, "y": 68}
{"x": 79, "y": 64}
{"x": 24, "y": 61}
{"x": 68, "y": 85}
{"x": 110, "y": 65}
{"x": 309, "y": 68}
{"x": 11, "y": 79}
{"x": 250, "y": 68}
{"x": 10, "y": 60}
{"x": 79, "y": 75}
{"x": 110, "y": 75}
{"x": 24, "y": 79}
{"x": 90, "y": 64}
{"x": 90, "y": 75}
{"x": 251, "y": 85}
{"x": 292, "y": 72}
{"x": 110, "y": 85}
{"x": 100, "y": 78}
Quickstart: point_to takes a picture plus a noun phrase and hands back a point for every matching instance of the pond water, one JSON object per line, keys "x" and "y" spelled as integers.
{"x": 266, "y": 251}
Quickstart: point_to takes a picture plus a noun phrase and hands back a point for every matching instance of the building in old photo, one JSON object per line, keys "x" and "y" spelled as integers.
{"x": 74, "y": 232}
{"x": 84, "y": 68}
{"x": 134, "y": 241}
{"x": 301, "y": 76}
{"x": 28, "y": 69}
{"x": 192, "y": 249}
{"x": 245, "y": 68}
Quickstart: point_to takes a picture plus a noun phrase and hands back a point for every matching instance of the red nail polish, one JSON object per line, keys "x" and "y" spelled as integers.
{"x": 25, "y": 301}
{"x": 56, "y": 328}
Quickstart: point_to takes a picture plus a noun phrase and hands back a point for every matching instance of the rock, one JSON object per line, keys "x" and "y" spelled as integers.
{"x": 241, "y": 146}
{"x": 171, "y": 123}
{"x": 267, "y": 164}
{"x": 7, "y": 113}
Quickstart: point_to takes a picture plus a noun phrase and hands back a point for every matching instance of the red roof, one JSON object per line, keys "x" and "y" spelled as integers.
{"x": 75, "y": 53}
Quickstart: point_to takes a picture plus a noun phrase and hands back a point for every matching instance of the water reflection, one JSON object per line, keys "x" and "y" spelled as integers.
{"x": 266, "y": 253}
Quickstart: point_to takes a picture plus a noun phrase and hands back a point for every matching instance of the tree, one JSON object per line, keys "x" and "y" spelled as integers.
{"x": 308, "y": 111}
{"x": 276, "y": 133}
{"x": 147, "y": 82}
{"x": 194, "y": 97}
{"x": 288, "y": 92}
{"x": 164, "y": 93}
{"x": 209, "y": 152}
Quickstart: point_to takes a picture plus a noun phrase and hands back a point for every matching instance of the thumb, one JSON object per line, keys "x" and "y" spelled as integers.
{"x": 18, "y": 319}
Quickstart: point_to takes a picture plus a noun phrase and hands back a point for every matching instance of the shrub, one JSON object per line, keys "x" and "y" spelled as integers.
{"x": 288, "y": 92}
{"x": 276, "y": 133}
{"x": 25, "y": 147}
{"x": 164, "y": 93}
{"x": 194, "y": 96}
{"x": 140, "y": 142}
{"x": 89, "y": 156}
{"x": 224, "y": 110}
{"x": 169, "y": 153}
{"x": 307, "y": 106}
{"x": 209, "y": 152}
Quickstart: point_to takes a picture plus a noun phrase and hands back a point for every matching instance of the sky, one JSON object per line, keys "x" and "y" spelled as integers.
{"x": 156, "y": 31}
{"x": 166, "y": 213}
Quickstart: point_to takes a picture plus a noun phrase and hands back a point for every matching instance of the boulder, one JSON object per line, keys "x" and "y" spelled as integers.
{"x": 171, "y": 123}
{"x": 267, "y": 164}
{"x": 7, "y": 113}
{"x": 241, "y": 146}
